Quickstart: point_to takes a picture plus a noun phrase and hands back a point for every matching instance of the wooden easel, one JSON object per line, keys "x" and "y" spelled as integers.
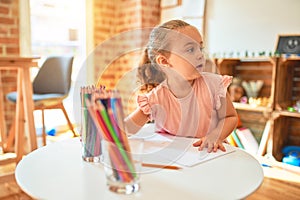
{"x": 24, "y": 114}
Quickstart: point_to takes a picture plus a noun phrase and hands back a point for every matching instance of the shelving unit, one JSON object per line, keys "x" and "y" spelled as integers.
{"x": 252, "y": 69}
{"x": 281, "y": 77}
{"x": 286, "y": 128}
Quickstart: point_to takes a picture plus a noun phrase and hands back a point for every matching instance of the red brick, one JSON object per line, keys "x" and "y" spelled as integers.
{"x": 6, "y": 1}
{"x": 13, "y": 50}
{"x": 4, "y": 10}
{"x": 4, "y": 30}
{"x": 7, "y": 40}
{"x": 10, "y": 72}
{"x": 14, "y": 31}
{"x": 7, "y": 79}
{"x": 6, "y": 20}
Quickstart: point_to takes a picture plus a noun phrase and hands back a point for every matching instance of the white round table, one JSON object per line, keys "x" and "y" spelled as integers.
{"x": 57, "y": 171}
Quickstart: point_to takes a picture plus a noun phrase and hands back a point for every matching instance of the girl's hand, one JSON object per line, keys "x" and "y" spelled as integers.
{"x": 211, "y": 141}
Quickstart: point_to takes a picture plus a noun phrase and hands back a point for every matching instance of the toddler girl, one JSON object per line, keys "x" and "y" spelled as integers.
{"x": 181, "y": 98}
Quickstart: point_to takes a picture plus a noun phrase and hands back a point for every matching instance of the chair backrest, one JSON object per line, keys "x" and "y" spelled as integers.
{"x": 54, "y": 76}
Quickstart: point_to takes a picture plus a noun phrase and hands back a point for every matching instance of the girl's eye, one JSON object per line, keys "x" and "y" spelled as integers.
{"x": 190, "y": 50}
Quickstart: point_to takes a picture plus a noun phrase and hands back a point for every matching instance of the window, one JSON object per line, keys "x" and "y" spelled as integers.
{"x": 58, "y": 28}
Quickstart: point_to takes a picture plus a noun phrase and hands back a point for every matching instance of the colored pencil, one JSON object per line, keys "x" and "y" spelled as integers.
{"x": 161, "y": 166}
{"x": 119, "y": 157}
{"x": 114, "y": 136}
{"x": 115, "y": 161}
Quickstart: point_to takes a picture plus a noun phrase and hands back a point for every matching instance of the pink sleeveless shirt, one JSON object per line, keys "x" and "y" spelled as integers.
{"x": 192, "y": 116}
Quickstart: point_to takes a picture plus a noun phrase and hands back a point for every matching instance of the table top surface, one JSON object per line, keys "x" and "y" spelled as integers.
{"x": 18, "y": 61}
{"x": 57, "y": 171}
{"x": 18, "y": 58}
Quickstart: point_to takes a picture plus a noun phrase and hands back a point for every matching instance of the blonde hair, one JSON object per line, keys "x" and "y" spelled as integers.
{"x": 149, "y": 73}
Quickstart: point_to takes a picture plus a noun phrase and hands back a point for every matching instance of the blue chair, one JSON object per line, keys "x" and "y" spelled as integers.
{"x": 50, "y": 87}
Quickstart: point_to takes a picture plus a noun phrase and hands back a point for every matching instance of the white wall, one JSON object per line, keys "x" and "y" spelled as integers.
{"x": 253, "y": 25}
{"x": 191, "y": 11}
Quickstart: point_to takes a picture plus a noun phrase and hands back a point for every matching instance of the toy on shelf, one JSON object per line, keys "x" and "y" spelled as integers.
{"x": 297, "y": 106}
{"x": 291, "y": 155}
{"x": 252, "y": 88}
{"x": 259, "y": 101}
{"x": 236, "y": 90}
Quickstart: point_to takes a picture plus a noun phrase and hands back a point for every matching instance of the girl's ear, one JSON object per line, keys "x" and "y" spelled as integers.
{"x": 162, "y": 60}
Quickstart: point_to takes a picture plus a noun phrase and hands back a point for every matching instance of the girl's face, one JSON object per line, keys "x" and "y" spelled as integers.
{"x": 186, "y": 53}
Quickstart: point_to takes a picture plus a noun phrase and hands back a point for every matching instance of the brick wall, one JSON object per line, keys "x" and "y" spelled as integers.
{"x": 111, "y": 17}
{"x": 9, "y": 27}
{"x": 9, "y": 45}
{"x": 119, "y": 41}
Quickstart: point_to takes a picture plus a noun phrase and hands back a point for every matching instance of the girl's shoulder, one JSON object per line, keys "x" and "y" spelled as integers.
{"x": 216, "y": 80}
{"x": 217, "y": 85}
{"x": 158, "y": 92}
{"x": 156, "y": 95}
{"x": 210, "y": 79}
{"x": 162, "y": 87}
{"x": 208, "y": 76}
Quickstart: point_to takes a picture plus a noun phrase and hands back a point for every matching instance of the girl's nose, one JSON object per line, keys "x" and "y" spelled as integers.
{"x": 200, "y": 54}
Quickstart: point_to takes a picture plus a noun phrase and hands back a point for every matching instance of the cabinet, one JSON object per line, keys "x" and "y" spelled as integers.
{"x": 281, "y": 77}
{"x": 286, "y": 125}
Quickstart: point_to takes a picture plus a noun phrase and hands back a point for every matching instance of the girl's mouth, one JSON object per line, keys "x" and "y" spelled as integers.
{"x": 199, "y": 66}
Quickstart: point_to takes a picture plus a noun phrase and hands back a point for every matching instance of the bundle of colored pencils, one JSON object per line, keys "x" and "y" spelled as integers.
{"x": 105, "y": 109}
{"x": 90, "y": 135}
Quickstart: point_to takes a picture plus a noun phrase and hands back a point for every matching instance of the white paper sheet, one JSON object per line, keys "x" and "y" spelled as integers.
{"x": 167, "y": 149}
{"x": 192, "y": 156}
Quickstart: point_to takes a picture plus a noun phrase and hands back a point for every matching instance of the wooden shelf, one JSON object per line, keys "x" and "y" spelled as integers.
{"x": 296, "y": 58}
{"x": 256, "y": 59}
{"x": 248, "y": 107}
{"x": 289, "y": 114}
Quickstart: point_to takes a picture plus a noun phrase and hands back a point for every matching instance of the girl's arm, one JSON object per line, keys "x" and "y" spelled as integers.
{"x": 227, "y": 122}
{"x": 135, "y": 121}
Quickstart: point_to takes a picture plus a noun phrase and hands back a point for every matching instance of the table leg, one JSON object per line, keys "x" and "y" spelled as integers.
{"x": 19, "y": 125}
{"x": 29, "y": 108}
{"x": 3, "y": 134}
